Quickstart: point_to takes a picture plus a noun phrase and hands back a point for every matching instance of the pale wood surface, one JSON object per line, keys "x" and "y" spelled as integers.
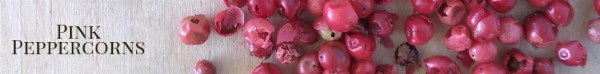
{"x": 155, "y": 22}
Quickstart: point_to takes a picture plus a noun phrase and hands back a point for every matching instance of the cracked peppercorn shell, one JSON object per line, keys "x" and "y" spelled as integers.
{"x": 287, "y": 53}
{"x": 406, "y": 55}
{"x": 458, "y": 38}
{"x": 297, "y": 32}
{"x": 257, "y": 33}
{"x": 228, "y": 21}
{"x": 382, "y": 23}
{"x": 517, "y": 62}
{"x": 194, "y": 30}
{"x": 452, "y": 12}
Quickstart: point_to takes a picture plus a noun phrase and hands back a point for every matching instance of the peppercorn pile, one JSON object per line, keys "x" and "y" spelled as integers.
{"x": 350, "y": 27}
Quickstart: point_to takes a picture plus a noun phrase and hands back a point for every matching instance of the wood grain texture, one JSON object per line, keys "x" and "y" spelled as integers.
{"x": 156, "y": 23}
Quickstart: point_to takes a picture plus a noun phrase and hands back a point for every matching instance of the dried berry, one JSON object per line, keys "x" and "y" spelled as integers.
{"x": 194, "y": 29}
{"x": 205, "y": 67}
{"x": 406, "y": 54}
{"x": 228, "y": 21}
{"x": 257, "y": 33}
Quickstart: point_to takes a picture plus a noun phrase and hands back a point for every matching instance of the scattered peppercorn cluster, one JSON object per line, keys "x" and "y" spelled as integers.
{"x": 349, "y": 28}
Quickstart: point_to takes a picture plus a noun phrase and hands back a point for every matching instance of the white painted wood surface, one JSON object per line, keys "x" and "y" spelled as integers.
{"x": 155, "y": 22}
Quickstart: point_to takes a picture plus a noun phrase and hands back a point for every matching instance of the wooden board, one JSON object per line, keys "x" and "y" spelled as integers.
{"x": 156, "y": 22}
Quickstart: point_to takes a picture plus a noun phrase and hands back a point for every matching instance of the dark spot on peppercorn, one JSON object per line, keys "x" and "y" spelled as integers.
{"x": 332, "y": 34}
{"x": 256, "y": 9}
{"x": 414, "y": 54}
{"x": 321, "y": 57}
{"x": 195, "y": 21}
{"x": 514, "y": 64}
{"x": 263, "y": 35}
{"x": 441, "y": 10}
{"x": 281, "y": 11}
{"x": 237, "y": 24}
